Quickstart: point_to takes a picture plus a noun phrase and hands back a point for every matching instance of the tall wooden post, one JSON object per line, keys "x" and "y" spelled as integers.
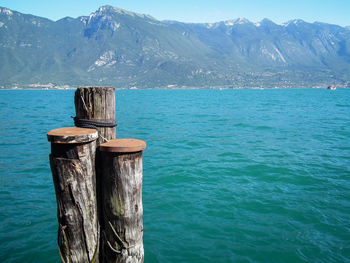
{"x": 121, "y": 201}
{"x": 72, "y": 163}
{"x": 96, "y": 104}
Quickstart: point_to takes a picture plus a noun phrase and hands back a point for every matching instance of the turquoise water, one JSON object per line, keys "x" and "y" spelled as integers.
{"x": 229, "y": 176}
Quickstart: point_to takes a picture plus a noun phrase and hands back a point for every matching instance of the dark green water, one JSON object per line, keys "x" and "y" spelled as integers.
{"x": 229, "y": 176}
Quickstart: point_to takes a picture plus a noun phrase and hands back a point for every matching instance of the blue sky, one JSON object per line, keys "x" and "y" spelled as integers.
{"x": 279, "y": 11}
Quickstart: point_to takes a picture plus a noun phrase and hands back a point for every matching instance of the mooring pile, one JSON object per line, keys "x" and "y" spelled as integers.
{"x": 98, "y": 184}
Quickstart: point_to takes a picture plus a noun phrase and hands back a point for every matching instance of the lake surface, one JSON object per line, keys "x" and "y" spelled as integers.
{"x": 229, "y": 176}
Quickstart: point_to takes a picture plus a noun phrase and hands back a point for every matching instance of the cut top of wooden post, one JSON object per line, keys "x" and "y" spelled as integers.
{"x": 72, "y": 135}
{"x": 123, "y": 146}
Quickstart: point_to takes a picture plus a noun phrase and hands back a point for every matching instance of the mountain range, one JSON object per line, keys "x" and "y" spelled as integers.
{"x": 123, "y": 49}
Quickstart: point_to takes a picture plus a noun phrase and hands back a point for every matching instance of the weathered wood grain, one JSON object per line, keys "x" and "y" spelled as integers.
{"x": 122, "y": 210}
{"x": 97, "y": 103}
{"x": 73, "y": 171}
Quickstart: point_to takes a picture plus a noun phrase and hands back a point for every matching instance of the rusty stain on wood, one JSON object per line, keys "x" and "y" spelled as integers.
{"x": 72, "y": 135}
{"x": 123, "y": 146}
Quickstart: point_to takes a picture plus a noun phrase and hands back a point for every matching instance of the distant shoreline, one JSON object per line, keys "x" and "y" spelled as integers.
{"x": 184, "y": 88}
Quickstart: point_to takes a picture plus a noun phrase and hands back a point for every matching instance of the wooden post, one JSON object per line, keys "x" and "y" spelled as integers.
{"x": 97, "y": 104}
{"x": 72, "y": 163}
{"x": 121, "y": 200}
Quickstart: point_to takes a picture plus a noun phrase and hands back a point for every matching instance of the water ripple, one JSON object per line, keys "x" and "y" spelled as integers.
{"x": 229, "y": 176}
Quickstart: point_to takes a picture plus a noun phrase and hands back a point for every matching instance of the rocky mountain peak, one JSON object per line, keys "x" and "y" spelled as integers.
{"x": 294, "y": 22}
{"x": 238, "y": 21}
{"x": 6, "y": 11}
{"x": 267, "y": 21}
{"x": 111, "y": 10}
